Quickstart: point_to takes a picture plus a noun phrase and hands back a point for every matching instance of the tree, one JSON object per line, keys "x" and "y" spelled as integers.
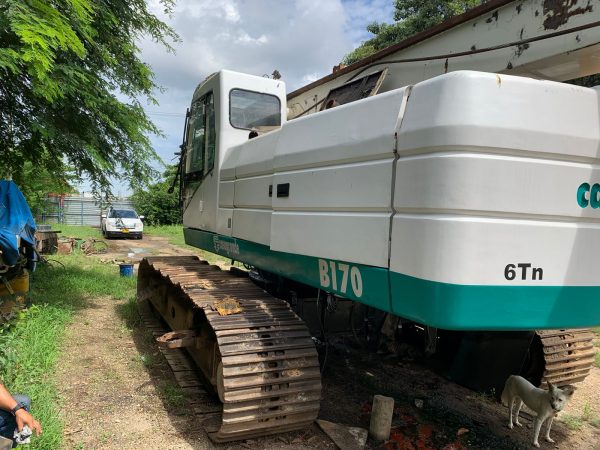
{"x": 36, "y": 183}
{"x": 156, "y": 204}
{"x": 65, "y": 65}
{"x": 412, "y": 17}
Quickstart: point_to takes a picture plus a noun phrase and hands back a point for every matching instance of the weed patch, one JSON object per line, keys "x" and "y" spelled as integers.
{"x": 130, "y": 313}
{"x": 573, "y": 422}
{"x": 30, "y": 344}
{"x": 173, "y": 395}
{"x": 148, "y": 360}
{"x": 577, "y": 422}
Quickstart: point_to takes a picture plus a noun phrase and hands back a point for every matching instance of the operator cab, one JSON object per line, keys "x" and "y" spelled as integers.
{"x": 225, "y": 109}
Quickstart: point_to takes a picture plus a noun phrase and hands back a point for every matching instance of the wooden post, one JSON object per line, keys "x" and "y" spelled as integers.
{"x": 381, "y": 418}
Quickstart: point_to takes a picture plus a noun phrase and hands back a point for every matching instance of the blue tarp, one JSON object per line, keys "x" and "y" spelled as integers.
{"x": 15, "y": 220}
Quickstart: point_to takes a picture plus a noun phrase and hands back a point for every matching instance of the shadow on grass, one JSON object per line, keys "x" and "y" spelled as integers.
{"x": 71, "y": 281}
{"x": 173, "y": 398}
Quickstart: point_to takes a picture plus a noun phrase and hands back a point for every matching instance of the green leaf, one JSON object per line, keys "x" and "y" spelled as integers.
{"x": 65, "y": 67}
{"x": 412, "y": 17}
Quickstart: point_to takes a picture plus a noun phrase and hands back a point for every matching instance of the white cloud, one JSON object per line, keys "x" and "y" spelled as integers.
{"x": 363, "y": 12}
{"x": 310, "y": 77}
{"x": 246, "y": 38}
{"x": 303, "y": 39}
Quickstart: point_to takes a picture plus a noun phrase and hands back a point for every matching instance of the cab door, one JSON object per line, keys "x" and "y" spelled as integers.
{"x": 200, "y": 185}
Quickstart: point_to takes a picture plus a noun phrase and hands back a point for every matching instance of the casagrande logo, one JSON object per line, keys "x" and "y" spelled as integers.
{"x": 588, "y": 195}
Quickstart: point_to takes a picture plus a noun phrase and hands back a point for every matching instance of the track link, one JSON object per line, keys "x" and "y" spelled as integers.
{"x": 568, "y": 355}
{"x": 261, "y": 361}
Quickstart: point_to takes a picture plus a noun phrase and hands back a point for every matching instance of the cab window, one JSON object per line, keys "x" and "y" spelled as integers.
{"x": 250, "y": 110}
{"x": 202, "y": 136}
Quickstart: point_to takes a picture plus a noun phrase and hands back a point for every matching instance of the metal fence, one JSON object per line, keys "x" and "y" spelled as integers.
{"x": 71, "y": 210}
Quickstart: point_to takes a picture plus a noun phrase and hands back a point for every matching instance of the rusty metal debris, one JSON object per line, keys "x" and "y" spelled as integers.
{"x": 66, "y": 245}
{"x": 227, "y": 306}
{"x": 93, "y": 246}
{"x": 46, "y": 240}
{"x": 177, "y": 339}
{"x": 13, "y": 294}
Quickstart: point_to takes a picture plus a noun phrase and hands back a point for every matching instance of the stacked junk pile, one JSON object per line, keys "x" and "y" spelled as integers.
{"x": 17, "y": 249}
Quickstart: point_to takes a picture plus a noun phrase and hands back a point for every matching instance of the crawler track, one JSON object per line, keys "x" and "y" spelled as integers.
{"x": 568, "y": 355}
{"x": 260, "y": 361}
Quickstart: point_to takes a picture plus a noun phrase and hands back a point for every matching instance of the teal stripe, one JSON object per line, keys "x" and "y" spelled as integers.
{"x": 442, "y": 305}
{"x": 474, "y": 307}
{"x": 304, "y": 269}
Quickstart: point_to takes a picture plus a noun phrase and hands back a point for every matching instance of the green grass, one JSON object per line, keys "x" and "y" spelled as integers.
{"x": 174, "y": 233}
{"x": 597, "y": 360}
{"x": 173, "y": 395}
{"x": 30, "y": 345}
{"x": 77, "y": 231}
{"x": 130, "y": 314}
{"x": 587, "y": 413}
{"x": 572, "y": 422}
{"x": 577, "y": 422}
{"x": 148, "y": 360}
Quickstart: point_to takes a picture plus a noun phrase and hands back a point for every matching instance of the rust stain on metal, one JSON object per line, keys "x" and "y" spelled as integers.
{"x": 520, "y": 49}
{"x": 493, "y": 17}
{"x": 227, "y": 306}
{"x": 558, "y": 12}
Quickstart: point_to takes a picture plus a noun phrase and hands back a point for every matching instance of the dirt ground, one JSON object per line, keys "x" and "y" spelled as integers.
{"x": 124, "y": 396}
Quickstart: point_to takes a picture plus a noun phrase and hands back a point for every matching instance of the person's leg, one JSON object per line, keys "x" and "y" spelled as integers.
{"x": 24, "y": 400}
{"x": 7, "y": 424}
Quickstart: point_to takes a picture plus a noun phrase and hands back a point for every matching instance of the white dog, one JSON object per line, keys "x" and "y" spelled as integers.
{"x": 546, "y": 404}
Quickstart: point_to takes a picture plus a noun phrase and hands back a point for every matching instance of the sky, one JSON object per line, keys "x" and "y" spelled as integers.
{"x": 303, "y": 39}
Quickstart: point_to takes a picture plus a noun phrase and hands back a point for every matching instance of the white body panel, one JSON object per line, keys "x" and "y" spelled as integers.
{"x": 339, "y": 167}
{"x": 478, "y": 188}
{"x": 475, "y": 250}
{"x": 458, "y": 176}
